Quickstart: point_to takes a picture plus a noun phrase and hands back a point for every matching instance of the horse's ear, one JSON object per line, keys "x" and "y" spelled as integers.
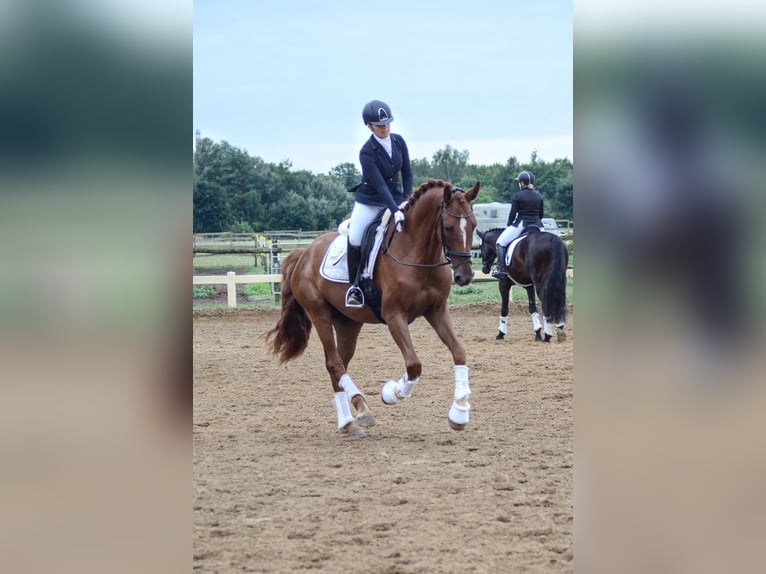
{"x": 480, "y": 234}
{"x": 471, "y": 194}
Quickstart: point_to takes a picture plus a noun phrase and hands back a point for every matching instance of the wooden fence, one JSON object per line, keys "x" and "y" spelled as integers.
{"x": 274, "y": 246}
{"x": 231, "y": 279}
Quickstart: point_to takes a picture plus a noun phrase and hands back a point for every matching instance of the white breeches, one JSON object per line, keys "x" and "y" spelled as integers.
{"x": 361, "y": 216}
{"x": 511, "y": 232}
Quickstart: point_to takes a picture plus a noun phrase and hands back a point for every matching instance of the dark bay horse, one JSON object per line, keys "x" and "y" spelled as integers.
{"x": 539, "y": 265}
{"x": 413, "y": 280}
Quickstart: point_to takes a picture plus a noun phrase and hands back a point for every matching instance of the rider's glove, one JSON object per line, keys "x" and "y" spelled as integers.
{"x": 398, "y": 218}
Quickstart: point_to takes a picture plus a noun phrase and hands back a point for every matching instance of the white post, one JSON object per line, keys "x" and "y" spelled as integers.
{"x": 231, "y": 288}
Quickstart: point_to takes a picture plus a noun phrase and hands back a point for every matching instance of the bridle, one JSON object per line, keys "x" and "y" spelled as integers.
{"x": 486, "y": 245}
{"x": 465, "y": 256}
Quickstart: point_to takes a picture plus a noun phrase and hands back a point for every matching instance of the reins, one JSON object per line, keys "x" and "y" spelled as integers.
{"x": 448, "y": 253}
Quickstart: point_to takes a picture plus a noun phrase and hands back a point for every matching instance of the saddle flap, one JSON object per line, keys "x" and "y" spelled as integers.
{"x": 511, "y": 248}
{"x": 334, "y": 267}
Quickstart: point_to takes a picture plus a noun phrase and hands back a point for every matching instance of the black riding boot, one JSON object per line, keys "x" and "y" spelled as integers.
{"x": 354, "y": 296}
{"x": 500, "y": 271}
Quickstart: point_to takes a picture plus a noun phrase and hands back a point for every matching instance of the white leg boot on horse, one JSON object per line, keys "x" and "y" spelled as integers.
{"x": 358, "y": 401}
{"x": 537, "y": 325}
{"x": 459, "y": 411}
{"x": 502, "y": 328}
{"x": 346, "y": 421}
{"x": 547, "y": 329}
{"x": 396, "y": 391}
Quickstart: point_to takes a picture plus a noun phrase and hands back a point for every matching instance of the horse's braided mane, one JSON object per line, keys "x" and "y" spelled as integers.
{"x": 500, "y": 229}
{"x": 424, "y": 187}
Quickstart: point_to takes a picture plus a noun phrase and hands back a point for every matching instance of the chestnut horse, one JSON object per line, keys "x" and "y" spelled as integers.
{"x": 539, "y": 265}
{"x": 413, "y": 281}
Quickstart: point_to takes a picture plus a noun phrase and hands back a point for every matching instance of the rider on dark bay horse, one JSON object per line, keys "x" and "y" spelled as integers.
{"x": 526, "y": 212}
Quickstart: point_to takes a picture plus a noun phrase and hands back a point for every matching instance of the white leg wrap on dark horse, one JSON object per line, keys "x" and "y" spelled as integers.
{"x": 547, "y": 327}
{"x": 459, "y": 411}
{"x": 503, "y": 328}
{"x": 343, "y": 408}
{"x": 348, "y": 385}
{"x": 536, "y": 321}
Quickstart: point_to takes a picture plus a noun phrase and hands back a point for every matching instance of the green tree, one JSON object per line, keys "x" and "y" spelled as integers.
{"x": 449, "y": 164}
{"x": 346, "y": 174}
{"x": 506, "y": 186}
{"x": 229, "y": 167}
{"x": 233, "y": 190}
{"x": 232, "y": 172}
{"x": 292, "y": 211}
{"x": 556, "y": 185}
{"x": 421, "y": 171}
{"x": 211, "y": 208}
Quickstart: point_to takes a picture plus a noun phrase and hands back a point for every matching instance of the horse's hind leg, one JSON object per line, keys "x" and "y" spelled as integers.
{"x": 547, "y": 330}
{"x": 336, "y": 368}
{"x": 347, "y": 334}
{"x": 536, "y": 325}
{"x": 504, "y": 286}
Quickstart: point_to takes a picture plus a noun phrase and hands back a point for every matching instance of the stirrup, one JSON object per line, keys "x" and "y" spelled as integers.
{"x": 499, "y": 273}
{"x": 354, "y": 297}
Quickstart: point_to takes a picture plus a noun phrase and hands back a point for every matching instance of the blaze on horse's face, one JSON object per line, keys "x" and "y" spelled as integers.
{"x": 458, "y": 223}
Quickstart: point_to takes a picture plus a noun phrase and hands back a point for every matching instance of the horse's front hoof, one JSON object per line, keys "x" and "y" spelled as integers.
{"x": 500, "y": 336}
{"x": 356, "y": 433}
{"x": 458, "y": 416}
{"x": 537, "y": 336}
{"x": 365, "y": 419}
{"x": 455, "y": 426}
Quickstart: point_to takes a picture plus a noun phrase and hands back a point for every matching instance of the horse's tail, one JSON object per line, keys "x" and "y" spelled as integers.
{"x": 291, "y": 334}
{"x": 554, "y": 291}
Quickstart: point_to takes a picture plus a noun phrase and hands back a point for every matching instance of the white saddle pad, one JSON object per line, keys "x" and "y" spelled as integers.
{"x": 511, "y": 249}
{"x": 334, "y": 266}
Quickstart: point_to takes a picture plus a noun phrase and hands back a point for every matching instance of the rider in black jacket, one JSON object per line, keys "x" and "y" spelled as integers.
{"x": 383, "y": 157}
{"x": 526, "y": 211}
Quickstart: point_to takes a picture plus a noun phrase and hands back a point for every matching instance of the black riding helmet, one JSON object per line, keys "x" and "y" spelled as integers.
{"x": 526, "y": 177}
{"x": 377, "y": 113}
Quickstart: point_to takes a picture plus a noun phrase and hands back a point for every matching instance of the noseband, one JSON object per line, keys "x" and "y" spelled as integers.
{"x": 448, "y": 253}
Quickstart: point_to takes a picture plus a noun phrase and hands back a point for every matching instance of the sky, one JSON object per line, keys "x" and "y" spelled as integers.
{"x": 287, "y": 80}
